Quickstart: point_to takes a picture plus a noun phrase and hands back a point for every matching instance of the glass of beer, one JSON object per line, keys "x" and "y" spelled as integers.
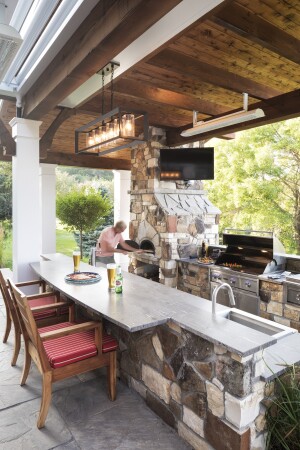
{"x": 76, "y": 260}
{"x": 111, "y": 275}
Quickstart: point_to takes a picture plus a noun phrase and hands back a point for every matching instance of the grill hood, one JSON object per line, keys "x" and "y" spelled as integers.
{"x": 256, "y": 252}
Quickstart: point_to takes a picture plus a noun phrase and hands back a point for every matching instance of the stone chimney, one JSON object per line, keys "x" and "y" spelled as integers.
{"x": 169, "y": 214}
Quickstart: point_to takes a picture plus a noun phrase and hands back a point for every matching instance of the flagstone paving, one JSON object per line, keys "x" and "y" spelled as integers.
{"x": 80, "y": 415}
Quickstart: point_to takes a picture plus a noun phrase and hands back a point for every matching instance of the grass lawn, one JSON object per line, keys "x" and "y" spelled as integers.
{"x": 65, "y": 242}
{"x": 7, "y": 252}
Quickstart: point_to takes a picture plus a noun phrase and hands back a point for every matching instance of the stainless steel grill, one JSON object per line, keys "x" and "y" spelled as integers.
{"x": 291, "y": 289}
{"x": 247, "y": 255}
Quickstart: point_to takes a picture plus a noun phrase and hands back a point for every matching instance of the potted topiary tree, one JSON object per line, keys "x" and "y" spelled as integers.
{"x": 82, "y": 210}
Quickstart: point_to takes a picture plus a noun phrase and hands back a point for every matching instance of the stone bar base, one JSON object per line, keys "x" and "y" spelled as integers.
{"x": 274, "y": 307}
{"x": 213, "y": 398}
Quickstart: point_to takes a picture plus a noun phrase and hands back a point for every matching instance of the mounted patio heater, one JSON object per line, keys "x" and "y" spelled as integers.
{"x": 225, "y": 121}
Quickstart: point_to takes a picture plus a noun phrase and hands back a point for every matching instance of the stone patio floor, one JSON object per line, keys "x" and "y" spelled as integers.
{"x": 80, "y": 415}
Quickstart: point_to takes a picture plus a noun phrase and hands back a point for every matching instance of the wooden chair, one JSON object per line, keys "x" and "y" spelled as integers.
{"x": 63, "y": 350}
{"x": 36, "y": 302}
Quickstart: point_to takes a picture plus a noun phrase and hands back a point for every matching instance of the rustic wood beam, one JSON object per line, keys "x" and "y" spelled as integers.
{"x": 283, "y": 107}
{"x": 8, "y": 98}
{"x": 7, "y": 143}
{"x": 90, "y": 161}
{"x": 227, "y": 137}
{"x": 145, "y": 91}
{"x": 243, "y": 22}
{"x": 109, "y": 28}
{"x": 170, "y": 115}
{"x": 197, "y": 70}
{"x": 47, "y": 139}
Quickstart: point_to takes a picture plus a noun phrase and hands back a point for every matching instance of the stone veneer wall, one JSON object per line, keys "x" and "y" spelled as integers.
{"x": 273, "y": 306}
{"x": 193, "y": 279}
{"x": 150, "y": 221}
{"x": 212, "y": 397}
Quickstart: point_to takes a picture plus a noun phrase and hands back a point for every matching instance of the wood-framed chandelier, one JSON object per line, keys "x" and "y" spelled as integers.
{"x": 112, "y": 131}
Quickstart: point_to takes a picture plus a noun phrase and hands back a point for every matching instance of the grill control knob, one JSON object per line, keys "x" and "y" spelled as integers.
{"x": 216, "y": 276}
{"x": 232, "y": 280}
{"x": 248, "y": 283}
{"x": 298, "y": 297}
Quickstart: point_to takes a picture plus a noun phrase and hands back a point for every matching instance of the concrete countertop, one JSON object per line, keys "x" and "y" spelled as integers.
{"x": 285, "y": 352}
{"x": 280, "y": 280}
{"x": 145, "y": 304}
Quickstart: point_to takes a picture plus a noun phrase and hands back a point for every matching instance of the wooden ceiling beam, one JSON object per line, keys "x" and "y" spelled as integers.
{"x": 243, "y": 22}
{"x": 7, "y": 143}
{"x": 47, "y": 139}
{"x": 283, "y": 107}
{"x": 109, "y": 28}
{"x": 154, "y": 94}
{"x": 168, "y": 113}
{"x": 191, "y": 67}
{"x": 88, "y": 161}
{"x": 8, "y": 98}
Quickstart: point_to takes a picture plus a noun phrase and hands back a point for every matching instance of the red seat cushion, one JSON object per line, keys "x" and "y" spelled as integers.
{"x": 46, "y": 301}
{"x": 41, "y": 302}
{"x": 75, "y": 347}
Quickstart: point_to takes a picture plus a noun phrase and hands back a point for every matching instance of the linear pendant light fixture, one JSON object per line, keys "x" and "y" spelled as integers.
{"x": 224, "y": 121}
{"x": 116, "y": 130}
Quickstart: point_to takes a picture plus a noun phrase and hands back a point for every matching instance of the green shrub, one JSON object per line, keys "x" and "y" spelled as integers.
{"x": 283, "y": 414}
{"x": 82, "y": 210}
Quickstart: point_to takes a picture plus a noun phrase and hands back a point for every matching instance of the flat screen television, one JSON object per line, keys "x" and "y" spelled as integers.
{"x": 187, "y": 163}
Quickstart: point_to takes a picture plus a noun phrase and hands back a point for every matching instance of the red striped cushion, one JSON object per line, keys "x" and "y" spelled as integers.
{"x": 41, "y": 302}
{"x": 74, "y": 347}
{"x": 46, "y": 301}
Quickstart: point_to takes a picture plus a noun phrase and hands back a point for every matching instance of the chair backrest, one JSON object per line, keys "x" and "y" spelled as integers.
{"x": 5, "y": 293}
{"x": 26, "y": 319}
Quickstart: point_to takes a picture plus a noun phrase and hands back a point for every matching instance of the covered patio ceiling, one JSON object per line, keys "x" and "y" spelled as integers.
{"x": 175, "y": 57}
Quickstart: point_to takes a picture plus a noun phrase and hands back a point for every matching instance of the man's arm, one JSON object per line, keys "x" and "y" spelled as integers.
{"x": 111, "y": 249}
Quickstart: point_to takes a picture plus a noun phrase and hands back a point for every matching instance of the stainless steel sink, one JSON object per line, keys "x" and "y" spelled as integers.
{"x": 257, "y": 323}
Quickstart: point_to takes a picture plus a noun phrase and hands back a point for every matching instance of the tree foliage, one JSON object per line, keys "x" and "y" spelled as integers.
{"x": 257, "y": 181}
{"x": 82, "y": 210}
{"x": 5, "y": 191}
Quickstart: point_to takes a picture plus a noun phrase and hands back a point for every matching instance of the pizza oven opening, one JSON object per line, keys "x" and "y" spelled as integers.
{"x": 147, "y": 245}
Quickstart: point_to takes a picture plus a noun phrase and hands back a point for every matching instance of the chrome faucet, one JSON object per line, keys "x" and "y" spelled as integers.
{"x": 215, "y": 293}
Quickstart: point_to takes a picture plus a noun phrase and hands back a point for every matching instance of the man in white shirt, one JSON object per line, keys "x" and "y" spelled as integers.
{"x": 109, "y": 239}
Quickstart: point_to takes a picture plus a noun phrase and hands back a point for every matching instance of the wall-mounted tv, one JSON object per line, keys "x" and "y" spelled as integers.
{"x": 187, "y": 163}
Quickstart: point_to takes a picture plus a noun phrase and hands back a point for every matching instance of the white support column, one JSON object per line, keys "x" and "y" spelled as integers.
{"x": 26, "y": 197}
{"x": 122, "y": 179}
{"x": 48, "y": 205}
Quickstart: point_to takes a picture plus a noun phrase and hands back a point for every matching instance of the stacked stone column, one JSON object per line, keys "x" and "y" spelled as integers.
{"x": 150, "y": 221}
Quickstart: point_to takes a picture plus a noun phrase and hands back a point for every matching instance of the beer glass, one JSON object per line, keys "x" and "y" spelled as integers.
{"x": 76, "y": 260}
{"x": 111, "y": 275}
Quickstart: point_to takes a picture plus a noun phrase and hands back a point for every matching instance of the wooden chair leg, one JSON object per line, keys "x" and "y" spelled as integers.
{"x": 112, "y": 376}
{"x": 7, "y": 328}
{"x": 46, "y": 399}
{"x": 17, "y": 347}
{"x": 26, "y": 367}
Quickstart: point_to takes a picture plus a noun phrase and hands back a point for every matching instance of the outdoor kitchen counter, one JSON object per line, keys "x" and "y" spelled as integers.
{"x": 146, "y": 304}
